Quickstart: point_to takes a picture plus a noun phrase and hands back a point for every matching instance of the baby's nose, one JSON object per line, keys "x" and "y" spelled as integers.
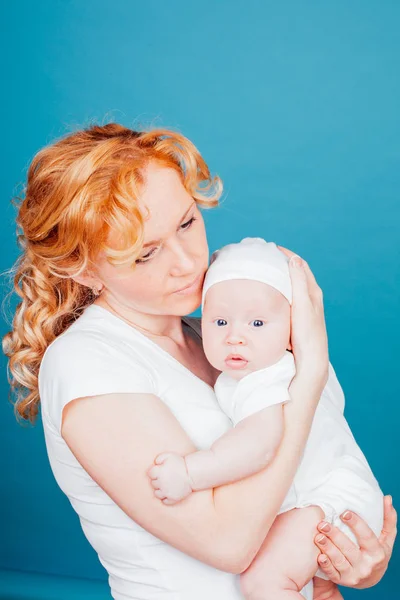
{"x": 235, "y": 338}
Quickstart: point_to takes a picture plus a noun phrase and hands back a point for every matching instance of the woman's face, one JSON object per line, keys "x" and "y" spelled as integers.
{"x": 175, "y": 252}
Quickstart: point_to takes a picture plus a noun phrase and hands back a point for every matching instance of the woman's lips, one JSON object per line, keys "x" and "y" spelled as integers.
{"x": 192, "y": 288}
{"x": 236, "y": 361}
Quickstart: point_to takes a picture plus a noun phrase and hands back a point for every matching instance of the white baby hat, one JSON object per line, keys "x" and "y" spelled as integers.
{"x": 252, "y": 258}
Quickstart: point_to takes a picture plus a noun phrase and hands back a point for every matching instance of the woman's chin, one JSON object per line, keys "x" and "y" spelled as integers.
{"x": 187, "y": 304}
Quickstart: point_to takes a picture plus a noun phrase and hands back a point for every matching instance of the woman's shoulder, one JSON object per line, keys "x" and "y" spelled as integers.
{"x": 90, "y": 350}
{"x": 85, "y": 361}
{"x": 75, "y": 343}
{"x": 91, "y": 332}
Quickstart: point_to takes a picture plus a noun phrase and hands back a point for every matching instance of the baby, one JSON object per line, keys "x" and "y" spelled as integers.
{"x": 246, "y": 304}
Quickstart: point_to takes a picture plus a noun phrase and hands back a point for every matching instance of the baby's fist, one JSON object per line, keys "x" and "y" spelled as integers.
{"x": 169, "y": 478}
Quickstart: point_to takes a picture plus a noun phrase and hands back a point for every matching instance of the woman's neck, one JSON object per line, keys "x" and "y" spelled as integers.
{"x": 158, "y": 326}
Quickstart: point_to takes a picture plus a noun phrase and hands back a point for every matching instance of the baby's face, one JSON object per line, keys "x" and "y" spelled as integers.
{"x": 245, "y": 326}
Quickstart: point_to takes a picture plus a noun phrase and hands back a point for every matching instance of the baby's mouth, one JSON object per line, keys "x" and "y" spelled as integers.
{"x": 236, "y": 361}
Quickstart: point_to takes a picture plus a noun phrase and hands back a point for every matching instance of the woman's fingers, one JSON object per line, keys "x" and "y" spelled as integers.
{"x": 288, "y": 253}
{"x": 314, "y": 291}
{"x": 299, "y": 280}
{"x": 328, "y": 568}
{"x": 357, "y": 567}
{"x": 338, "y": 561}
{"x": 344, "y": 544}
{"x": 308, "y": 330}
{"x": 313, "y": 287}
{"x": 389, "y": 529}
{"x": 366, "y": 538}
{"x": 312, "y": 283}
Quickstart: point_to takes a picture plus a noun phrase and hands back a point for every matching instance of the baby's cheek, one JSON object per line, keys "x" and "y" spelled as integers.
{"x": 268, "y": 347}
{"x": 213, "y": 349}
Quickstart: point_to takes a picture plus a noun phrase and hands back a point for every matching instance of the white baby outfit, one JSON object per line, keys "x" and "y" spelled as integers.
{"x": 255, "y": 391}
{"x": 334, "y": 473}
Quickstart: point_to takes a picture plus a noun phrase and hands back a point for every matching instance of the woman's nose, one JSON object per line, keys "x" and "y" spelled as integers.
{"x": 183, "y": 262}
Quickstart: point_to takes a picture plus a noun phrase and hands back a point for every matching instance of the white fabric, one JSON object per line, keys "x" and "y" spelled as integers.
{"x": 255, "y": 391}
{"x": 98, "y": 354}
{"x": 252, "y": 258}
{"x": 334, "y": 473}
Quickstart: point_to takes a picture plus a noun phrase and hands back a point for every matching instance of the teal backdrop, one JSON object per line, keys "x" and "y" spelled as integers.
{"x": 296, "y": 106}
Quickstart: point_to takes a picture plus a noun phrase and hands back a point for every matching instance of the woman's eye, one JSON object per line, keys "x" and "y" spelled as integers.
{"x": 220, "y": 322}
{"x": 145, "y": 258}
{"x": 258, "y": 323}
{"x": 188, "y": 223}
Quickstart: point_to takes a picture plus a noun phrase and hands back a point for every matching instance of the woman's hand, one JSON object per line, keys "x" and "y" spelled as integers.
{"x": 308, "y": 330}
{"x": 362, "y": 567}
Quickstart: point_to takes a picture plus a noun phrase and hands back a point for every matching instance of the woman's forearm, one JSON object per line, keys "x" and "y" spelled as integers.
{"x": 246, "y": 509}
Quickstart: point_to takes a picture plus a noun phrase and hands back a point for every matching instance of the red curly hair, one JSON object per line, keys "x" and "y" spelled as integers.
{"x": 78, "y": 189}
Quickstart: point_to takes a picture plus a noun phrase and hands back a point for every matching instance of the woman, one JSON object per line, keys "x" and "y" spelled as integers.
{"x": 114, "y": 254}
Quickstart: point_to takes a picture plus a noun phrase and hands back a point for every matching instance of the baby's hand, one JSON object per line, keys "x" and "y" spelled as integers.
{"x": 169, "y": 478}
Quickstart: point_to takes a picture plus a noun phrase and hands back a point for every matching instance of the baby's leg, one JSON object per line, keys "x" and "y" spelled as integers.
{"x": 287, "y": 559}
{"x": 325, "y": 590}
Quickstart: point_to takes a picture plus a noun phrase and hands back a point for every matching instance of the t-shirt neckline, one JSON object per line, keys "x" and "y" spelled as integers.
{"x": 152, "y": 343}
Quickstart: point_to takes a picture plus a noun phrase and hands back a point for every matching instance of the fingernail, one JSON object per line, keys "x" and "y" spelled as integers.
{"x": 321, "y": 539}
{"x": 390, "y": 500}
{"x": 324, "y": 527}
{"x": 322, "y": 559}
{"x": 346, "y": 515}
{"x": 296, "y": 261}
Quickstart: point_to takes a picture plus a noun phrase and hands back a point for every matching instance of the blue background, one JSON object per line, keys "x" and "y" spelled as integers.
{"x": 296, "y": 106}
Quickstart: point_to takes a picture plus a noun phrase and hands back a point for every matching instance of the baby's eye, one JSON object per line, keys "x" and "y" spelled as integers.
{"x": 220, "y": 322}
{"x": 258, "y": 323}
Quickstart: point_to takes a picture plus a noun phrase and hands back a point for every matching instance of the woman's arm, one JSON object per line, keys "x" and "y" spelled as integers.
{"x": 115, "y": 438}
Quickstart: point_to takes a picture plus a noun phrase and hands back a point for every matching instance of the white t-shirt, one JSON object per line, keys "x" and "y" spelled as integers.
{"x": 99, "y": 354}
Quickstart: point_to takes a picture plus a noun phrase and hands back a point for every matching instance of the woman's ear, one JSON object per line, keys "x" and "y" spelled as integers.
{"x": 89, "y": 281}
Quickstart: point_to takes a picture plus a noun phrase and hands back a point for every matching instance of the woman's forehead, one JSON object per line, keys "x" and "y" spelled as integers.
{"x": 163, "y": 201}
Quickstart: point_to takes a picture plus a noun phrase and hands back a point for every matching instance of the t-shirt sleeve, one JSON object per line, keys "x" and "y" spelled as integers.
{"x": 264, "y": 388}
{"x": 259, "y": 399}
{"x": 77, "y": 366}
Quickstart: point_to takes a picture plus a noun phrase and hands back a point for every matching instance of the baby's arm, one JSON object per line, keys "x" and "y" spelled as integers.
{"x": 240, "y": 452}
